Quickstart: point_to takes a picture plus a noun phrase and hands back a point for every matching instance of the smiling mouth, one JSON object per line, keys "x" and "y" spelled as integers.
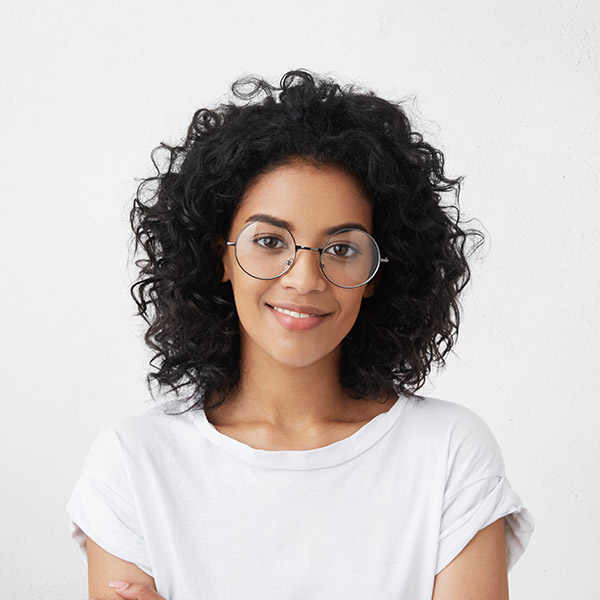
{"x": 298, "y": 311}
{"x": 292, "y": 313}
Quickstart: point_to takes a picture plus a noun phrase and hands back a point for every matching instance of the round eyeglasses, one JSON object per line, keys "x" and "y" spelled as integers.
{"x": 349, "y": 258}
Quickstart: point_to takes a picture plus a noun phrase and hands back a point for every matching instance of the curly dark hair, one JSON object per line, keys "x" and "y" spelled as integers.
{"x": 408, "y": 325}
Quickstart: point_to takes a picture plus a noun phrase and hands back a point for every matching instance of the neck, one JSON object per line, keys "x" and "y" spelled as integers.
{"x": 290, "y": 398}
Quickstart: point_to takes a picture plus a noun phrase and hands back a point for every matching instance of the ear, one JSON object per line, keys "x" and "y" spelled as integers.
{"x": 219, "y": 247}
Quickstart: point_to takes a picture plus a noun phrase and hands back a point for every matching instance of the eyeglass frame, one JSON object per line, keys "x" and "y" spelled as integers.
{"x": 319, "y": 250}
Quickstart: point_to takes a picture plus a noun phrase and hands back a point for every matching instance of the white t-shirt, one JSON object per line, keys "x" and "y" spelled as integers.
{"x": 373, "y": 516}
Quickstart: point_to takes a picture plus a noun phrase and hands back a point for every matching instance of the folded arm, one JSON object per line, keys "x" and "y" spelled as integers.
{"x": 104, "y": 567}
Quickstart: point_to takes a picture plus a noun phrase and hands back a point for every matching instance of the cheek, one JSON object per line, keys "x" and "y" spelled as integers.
{"x": 351, "y": 306}
{"x": 247, "y": 293}
{"x": 354, "y": 301}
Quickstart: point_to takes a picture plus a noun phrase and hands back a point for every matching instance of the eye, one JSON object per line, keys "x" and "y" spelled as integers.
{"x": 270, "y": 242}
{"x": 341, "y": 250}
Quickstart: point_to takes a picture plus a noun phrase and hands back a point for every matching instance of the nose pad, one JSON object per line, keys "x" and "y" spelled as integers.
{"x": 305, "y": 274}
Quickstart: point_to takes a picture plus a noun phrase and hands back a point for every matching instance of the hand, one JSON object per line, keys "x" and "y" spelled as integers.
{"x": 134, "y": 591}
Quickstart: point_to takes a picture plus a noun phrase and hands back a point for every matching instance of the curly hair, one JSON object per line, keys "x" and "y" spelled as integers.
{"x": 408, "y": 325}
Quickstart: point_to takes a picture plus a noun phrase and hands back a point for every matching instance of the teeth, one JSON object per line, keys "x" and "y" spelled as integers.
{"x": 292, "y": 313}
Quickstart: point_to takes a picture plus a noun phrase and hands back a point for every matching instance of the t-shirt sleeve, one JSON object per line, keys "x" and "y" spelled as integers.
{"x": 102, "y": 504}
{"x": 478, "y": 493}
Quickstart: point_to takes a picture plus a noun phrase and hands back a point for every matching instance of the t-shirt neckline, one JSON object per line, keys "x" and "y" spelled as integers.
{"x": 318, "y": 458}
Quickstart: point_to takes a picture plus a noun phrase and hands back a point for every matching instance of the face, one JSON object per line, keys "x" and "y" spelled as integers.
{"x": 313, "y": 201}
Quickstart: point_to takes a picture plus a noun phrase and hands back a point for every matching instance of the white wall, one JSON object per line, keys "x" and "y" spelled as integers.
{"x": 509, "y": 89}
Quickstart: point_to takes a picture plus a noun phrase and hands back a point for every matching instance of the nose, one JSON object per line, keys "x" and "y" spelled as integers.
{"x": 305, "y": 275}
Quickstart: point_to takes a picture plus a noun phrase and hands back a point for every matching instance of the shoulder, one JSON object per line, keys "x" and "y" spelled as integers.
{"x": 459, "y": 433}
{"x": 443, "y": 418}
{"x": 163, "y": 419}
{"x": 157, "y": 431}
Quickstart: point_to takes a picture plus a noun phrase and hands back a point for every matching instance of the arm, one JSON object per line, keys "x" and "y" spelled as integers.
{"x": 104, "y": 567}
{"x": 479, "y": 571}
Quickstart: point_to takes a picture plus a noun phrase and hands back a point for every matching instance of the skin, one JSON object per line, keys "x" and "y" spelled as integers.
{"x": 289, "y": 396}
{"x": 104, "y": 567}
{"x": 479, "y": 571}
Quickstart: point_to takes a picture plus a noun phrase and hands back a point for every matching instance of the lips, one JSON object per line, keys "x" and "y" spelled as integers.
{"x": 297, "y": 317}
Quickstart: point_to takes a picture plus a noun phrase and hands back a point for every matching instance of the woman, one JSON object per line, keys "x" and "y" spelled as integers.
{"x": 301, "y": 277}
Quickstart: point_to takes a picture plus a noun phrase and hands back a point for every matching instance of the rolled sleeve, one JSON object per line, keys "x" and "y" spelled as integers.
{"x": 478, "y": 493}
{"x": 475, "y": 507}
{"x": 101, "y": 506}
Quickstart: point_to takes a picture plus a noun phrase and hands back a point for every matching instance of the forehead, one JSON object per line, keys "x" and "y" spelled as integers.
{"x": 310, "y": 198}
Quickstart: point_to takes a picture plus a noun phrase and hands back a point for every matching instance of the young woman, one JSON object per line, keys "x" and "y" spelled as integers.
{"x": 300, "y": 277}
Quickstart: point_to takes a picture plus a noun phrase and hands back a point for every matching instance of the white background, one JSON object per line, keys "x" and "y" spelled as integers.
{"x": 510, "y": 91}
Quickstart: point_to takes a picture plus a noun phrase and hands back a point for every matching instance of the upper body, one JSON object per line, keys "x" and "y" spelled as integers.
{"x": 302, "y": 276}
{"x": 377, "y": 514}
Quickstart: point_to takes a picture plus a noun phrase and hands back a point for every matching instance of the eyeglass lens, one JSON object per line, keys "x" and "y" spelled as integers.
{"x": 349, "y": 258}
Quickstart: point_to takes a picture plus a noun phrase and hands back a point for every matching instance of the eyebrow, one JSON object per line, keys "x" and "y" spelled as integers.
{"x": 287, "y": 225}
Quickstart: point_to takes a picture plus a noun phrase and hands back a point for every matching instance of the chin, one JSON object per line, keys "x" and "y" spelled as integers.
{"x": 295, "y": 359}
{"x": 296, "y": 363}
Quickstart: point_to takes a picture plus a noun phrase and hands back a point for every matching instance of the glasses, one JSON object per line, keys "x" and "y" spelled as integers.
{"x": 349, "y": 258}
